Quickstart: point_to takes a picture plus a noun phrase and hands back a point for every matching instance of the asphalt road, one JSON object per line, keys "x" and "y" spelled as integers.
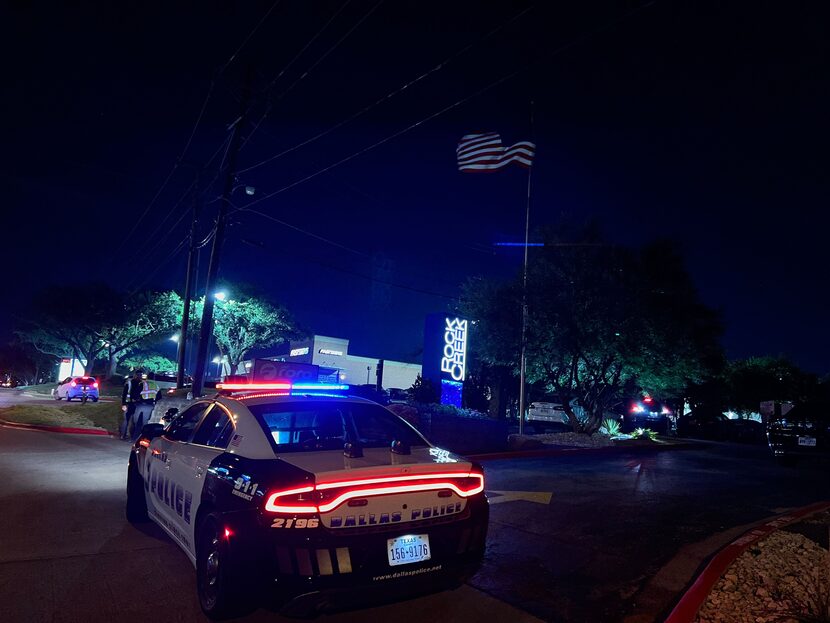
{"x": 623, "y": 534}
{"x": 592, "y": 538}
{"x": 67, "y": 554}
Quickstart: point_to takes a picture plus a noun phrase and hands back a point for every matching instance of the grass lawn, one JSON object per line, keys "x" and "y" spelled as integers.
{"x": 106, "y": 415}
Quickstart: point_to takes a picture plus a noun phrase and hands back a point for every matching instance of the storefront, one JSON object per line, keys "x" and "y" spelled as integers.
{"x": 333, "y": 357}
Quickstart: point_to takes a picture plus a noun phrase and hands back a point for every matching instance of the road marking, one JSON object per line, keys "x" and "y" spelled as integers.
{"x": 539, "y": 497}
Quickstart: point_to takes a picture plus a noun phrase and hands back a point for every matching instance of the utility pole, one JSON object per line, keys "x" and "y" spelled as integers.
{"x": 188, "y": 285}
{"x": 206, "y": 330}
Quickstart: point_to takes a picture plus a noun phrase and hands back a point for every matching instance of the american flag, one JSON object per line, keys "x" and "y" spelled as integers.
{"x": 484, "y": 152}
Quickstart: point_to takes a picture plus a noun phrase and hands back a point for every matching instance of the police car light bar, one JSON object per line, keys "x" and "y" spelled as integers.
{"x": 277, "y": 502}
{"x": 280, "y": 386}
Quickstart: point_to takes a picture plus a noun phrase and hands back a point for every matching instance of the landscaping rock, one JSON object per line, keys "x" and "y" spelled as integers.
{"x": 775, "y": 581}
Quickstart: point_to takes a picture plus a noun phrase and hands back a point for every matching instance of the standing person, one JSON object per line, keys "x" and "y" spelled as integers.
{"x": 130, "y": 398}
{"x": 148, "y": 394}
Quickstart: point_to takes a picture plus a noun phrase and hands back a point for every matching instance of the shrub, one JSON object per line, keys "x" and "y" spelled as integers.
{"x": 644, "y": 433}
{"x": 610, "y": 427}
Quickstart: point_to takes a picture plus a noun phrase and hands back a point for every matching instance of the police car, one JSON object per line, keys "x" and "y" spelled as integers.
{"x": 308, "y": 496}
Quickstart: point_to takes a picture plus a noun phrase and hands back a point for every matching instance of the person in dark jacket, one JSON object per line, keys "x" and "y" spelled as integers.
{"x": 130, "y": 399}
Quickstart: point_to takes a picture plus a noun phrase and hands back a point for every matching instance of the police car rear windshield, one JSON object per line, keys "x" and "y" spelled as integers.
{"x": 309, "y": 427}
{"x": 89, "y": 380}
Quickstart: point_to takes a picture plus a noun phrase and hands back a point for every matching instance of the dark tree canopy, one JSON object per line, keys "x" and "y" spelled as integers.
{"x": 603, "y": 321}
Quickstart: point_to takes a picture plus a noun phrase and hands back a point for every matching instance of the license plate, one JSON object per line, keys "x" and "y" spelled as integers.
{"x": 806, "y": 441}
{"x": 407, "y": 549}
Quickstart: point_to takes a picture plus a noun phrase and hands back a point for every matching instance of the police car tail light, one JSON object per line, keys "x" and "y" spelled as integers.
{"x": 73, "y": 384}
{"x": 95, "y": 384}
{"x": 296, "y": 500}
{"x": 327, "y": 496}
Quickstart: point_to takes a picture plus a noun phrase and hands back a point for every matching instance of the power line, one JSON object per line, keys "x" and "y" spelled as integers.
{"x": 196, "y": 124}
{"x": 308, "y": 233}
{"x": 305, "y": 74}
{"x": 147, "y": 278}
{"x": 144, "y": 255}
{"x": 250, "y": 34}
{"x": 331, "y": 49}
{"x": 452, "y": 106}
{"x": 391, "y": 94}
{"x": 226, "y": 143}
{"x": 357, "y": 274}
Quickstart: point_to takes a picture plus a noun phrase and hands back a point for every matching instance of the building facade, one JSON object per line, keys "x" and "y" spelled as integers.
{"x": 333, "y": 357}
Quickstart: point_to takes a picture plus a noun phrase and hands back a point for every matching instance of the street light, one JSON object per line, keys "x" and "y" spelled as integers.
{"x": 220, "y": 296}
{"x": 218, "y": 362}
{"x": 175, "y": 338}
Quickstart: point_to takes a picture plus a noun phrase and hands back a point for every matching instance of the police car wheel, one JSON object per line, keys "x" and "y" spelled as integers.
{"x": 216, "y": 576}
{"x": 94, "y": 400}
{"x": 136, "y": 502}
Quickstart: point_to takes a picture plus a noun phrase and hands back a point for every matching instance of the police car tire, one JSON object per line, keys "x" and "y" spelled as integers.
{"x": 218, "y": 579}
{"x": 136, "y": 501}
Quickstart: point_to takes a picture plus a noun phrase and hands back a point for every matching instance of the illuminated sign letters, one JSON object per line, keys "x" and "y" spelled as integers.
{"x": 328, "y": 351}
{"x": 296, "y": 352}
{"x": 455, "y": 348}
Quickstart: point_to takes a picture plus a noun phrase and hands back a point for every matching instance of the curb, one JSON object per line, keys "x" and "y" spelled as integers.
{"x": 56, "y": 429}
{"x": 541, "y": 452}
{"x": 687, "y": 607}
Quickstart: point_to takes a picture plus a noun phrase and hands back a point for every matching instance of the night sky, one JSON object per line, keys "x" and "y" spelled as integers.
{"x": 701, "y": 122}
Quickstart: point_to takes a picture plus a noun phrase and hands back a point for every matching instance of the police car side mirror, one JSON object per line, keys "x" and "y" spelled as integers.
{"x": 151, "y": 431}
{"x": 400, "y": 447}
{"x": 169, "y": 415}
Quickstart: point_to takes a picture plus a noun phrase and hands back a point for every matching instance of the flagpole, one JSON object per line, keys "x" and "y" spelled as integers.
{"x": 523, "y": 361}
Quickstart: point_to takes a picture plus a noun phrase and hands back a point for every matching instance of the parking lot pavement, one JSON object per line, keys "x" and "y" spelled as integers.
{"x": 614, "y": 521}
{"x": 67, "y": 553}
{"x": 576, "y": 538}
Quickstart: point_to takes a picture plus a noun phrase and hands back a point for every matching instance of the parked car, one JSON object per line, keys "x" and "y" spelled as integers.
{"x": 647, "y": 413}
{"x": 711, "y": 423}
{"x": 546, "y": 412}
{"x": 79, "y": 387}
{"x": 803, "y": 432}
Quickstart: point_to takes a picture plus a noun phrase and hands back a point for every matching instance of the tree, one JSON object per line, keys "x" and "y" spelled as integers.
{"x": 70, "y": 321}
{"x": 26, "y": 363}
{"x": 750, "y": 381}
{"x": 145, "y": 316}
{"x": 243, "y": 325}
{"x": 150, "y": 362}
{"x": 603, "y": 322}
